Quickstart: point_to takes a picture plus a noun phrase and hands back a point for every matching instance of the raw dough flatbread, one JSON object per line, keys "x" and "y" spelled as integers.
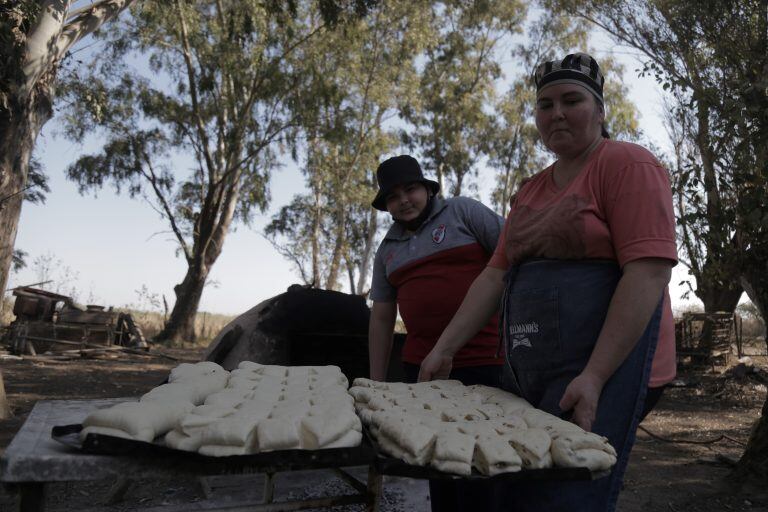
{"x": 584, "y": 449}
{"x": 278, "y": 434}
{"x": 494, "y": 455}
{"x": 181, "y": 441}
{"x": 250, "y": 365}
{"x": 348, "y": 440}
{"x": 415, "y": 439}
{"x": 453, "y": 452}
{"x": 319, "y": 431}
{"x": 462, "y": 414}
{"x": 532, "y": 445}
{"x": 595, "y": 460}
{"x": 143, "y": 435}
{"x": 229, "y": 397}
{"x": 232, "y": 430}
{"x": 536, "y": 418}
{"x": 202, "y": 416}
{"x": 142, "y": 420}
{"x": 213, "y": 450}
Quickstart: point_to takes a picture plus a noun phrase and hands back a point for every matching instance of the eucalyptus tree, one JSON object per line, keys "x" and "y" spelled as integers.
{"x": 34, "y": 39}
{"x": 357, "y": 81}
{"x": 450, "y": 118}
{"x": 220, "y": 89}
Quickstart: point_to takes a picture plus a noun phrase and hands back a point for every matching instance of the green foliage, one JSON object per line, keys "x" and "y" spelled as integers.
{"x": 224, "y": 85}
{"x": 16, "y": 18}
{"x": 449, "y": 118}
{"x": 356, "y": 81}
{"x": 512, "y": 142}
{"x": 220, "y": 85}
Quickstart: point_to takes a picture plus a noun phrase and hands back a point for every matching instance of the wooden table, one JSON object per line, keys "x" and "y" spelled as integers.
{"x": 34, "y": 459}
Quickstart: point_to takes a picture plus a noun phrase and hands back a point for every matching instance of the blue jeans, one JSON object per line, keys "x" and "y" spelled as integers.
{"x": 553, "y": 312}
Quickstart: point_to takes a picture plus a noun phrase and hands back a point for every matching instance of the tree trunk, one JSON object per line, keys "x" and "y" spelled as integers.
{"x": 5, "y": 410}
{"x": 717, "y": 295}
{"x": 338, "y": 249}
{"x": 317, "y": 215}
{"x": 753, "y": 465}
{"x": 19, "y": 127}
{"x": 755, "y": 281}
{"x": 365, "y": 263}
{"x": 181, "y": 324}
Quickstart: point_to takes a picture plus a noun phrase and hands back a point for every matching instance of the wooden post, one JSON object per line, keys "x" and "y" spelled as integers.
{"x": 5, "y": 409}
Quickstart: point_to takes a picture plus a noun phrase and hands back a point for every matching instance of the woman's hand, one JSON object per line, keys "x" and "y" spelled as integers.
{"x": 582, "y": 395}
{"x": 437, "y": 365}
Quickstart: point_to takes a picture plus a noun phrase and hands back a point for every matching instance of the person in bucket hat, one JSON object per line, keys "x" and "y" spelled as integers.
{"x": 581, "y": 270}
{"x": 423, "y": 267}
{"x": 399, "y": 170}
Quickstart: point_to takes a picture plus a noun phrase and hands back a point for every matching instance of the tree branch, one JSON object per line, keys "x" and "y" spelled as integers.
{"x": 151, "y": 176}
{"x": 38, "y": 56}
{"x": 193, "y": 91}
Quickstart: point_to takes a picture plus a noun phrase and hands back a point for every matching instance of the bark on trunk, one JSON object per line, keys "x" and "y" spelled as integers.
{"x": 181, "y": 324}
{"x": 331, "y": 282}
{"x": 5, "y": 409}
{"x": 19, "y": 127}
{"x": 753, "y": 465}
{"x": 722, "y": 296}
{"x": 755, "y": 283}
{"x": 365, "y": 263}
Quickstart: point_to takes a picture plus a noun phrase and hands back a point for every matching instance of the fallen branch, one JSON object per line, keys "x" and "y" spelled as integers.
{"x": 690, "y": 441}
{"x": 147, "y": 354}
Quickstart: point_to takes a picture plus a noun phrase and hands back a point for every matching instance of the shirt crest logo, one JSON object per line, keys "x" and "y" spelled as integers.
{"x": 438, "y": 234}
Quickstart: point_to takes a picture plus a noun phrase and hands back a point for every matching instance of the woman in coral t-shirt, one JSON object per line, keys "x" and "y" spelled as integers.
{"x": 583, "y": 266}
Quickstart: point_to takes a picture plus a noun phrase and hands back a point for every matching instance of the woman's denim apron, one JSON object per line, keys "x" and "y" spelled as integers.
{"x": 552, "y": 314}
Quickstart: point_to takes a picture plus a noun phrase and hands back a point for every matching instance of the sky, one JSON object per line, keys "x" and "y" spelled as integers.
{"x": 116, "y": 251}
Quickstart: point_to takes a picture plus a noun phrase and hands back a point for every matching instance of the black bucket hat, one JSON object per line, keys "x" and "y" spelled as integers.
{"x": 395, "y": 171}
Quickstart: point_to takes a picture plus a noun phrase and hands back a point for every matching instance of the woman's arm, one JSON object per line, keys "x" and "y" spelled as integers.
{"x": 380, "y": 330}
{"x": 477, "y": 308}
{"x": 632, "y": 305}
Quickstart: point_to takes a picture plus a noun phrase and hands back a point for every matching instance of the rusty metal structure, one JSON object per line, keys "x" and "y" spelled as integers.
{"x": 709, "y": 338}
{"x": 50, "y": 322}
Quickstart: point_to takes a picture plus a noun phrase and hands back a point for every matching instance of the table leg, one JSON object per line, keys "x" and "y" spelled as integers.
{"x": 117, "y": 492}
{"x": 269, "y": 487}
{"x": 31, "y": 497}
{"x": 375, "y": 486}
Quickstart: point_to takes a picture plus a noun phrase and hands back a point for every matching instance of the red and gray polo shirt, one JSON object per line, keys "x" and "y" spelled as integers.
{"x": 428, "y": 273}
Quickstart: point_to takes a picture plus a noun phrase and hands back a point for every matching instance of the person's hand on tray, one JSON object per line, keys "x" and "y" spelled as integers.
{"x": 582, "y": 396}
{"x": 437, "y": 365}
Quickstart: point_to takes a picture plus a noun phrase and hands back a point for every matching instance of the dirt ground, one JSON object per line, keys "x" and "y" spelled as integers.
{"x": 711, "y": 412}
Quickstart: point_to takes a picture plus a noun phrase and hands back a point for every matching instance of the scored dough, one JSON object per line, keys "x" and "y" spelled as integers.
{"x": 453, "y": 450}
{"x": 532, "y": 445}
{"x": 278, "y": 434}
{"x": 494, "y": 455}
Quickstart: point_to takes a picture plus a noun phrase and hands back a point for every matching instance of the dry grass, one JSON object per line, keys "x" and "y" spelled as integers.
{"x": 207, "y": 325}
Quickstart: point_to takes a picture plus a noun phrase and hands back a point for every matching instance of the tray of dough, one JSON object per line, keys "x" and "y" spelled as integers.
{"x": 162, "y": 456}
{"x": 443, "y": 429}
